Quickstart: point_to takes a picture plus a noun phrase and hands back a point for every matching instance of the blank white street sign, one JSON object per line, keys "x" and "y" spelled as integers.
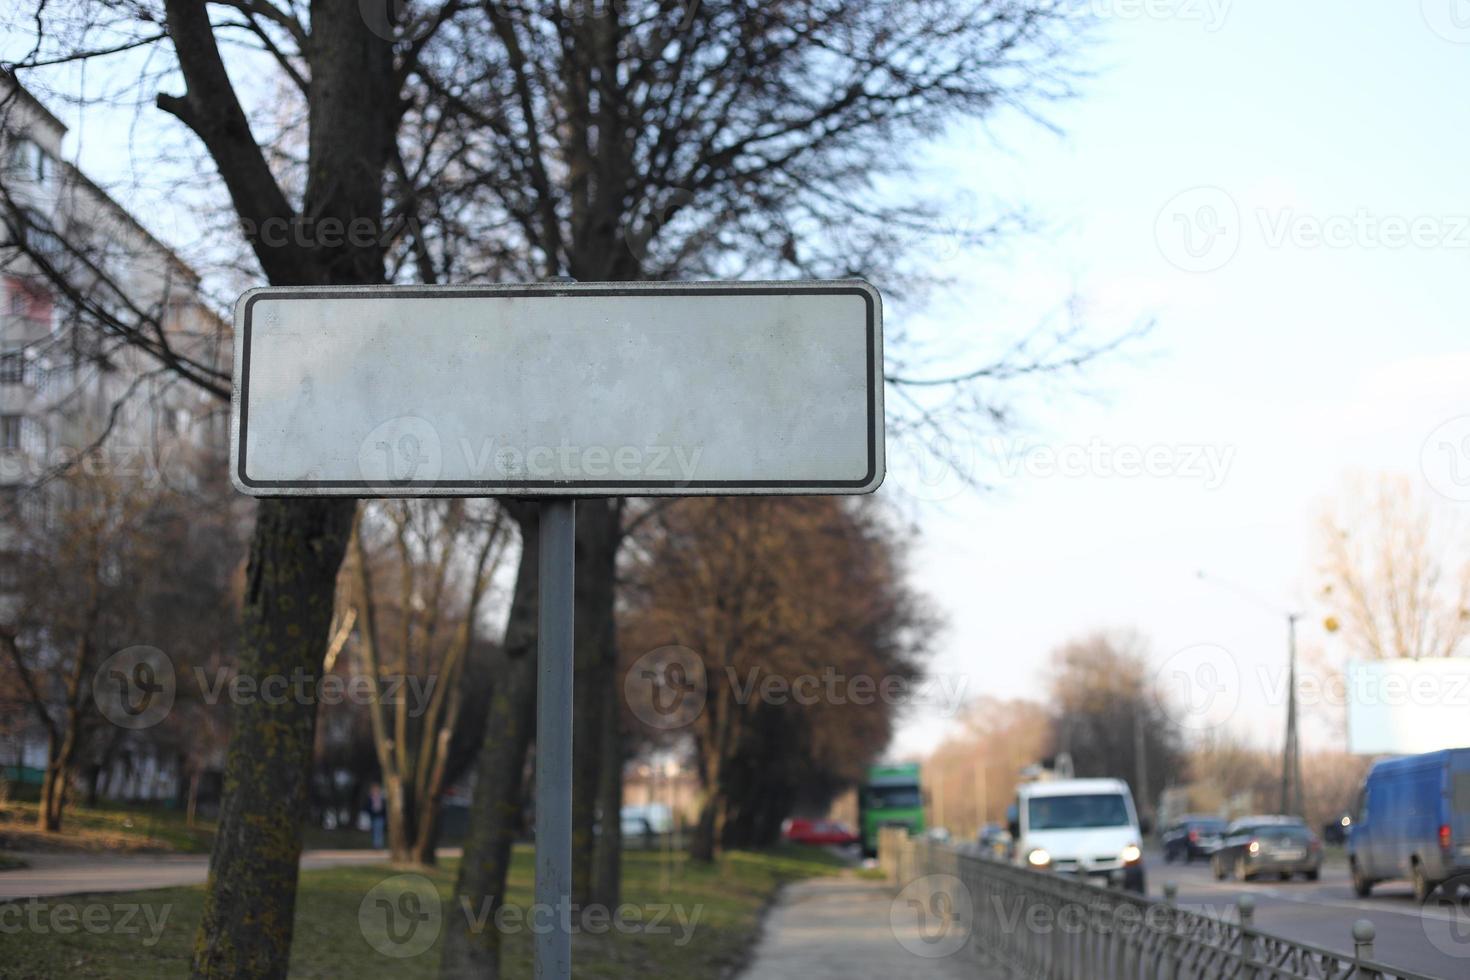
{"x": 559, "y": 389}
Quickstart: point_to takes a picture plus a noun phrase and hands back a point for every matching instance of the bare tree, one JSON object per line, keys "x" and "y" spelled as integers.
{"x": 601, "y": 140}
{"x": 1108, "y": 717}
{"x": 347, "y": 78}
{"x": 106, "y": 563}
{"x": 1395, "y": 571}
{"x": 796, "y": 623}
{"x": 974, "y": 771}
{"x": 416, "y": 578}
{"x": 658, "y": 139}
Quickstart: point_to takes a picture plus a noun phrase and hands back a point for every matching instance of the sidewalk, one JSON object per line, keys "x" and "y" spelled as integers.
{"x": 849, "y": 929}
{"x": 54, "y": 874}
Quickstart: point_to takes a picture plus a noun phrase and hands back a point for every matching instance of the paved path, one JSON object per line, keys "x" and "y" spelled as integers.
{"x": 52, "y": 874}
{"x": 844, "y": 928}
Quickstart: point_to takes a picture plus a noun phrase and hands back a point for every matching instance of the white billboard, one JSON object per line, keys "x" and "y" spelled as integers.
{"x": 1404, "y": 707}
{"x": 559, "y": 389}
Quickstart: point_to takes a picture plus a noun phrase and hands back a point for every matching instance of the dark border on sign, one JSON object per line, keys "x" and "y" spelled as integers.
{"x": 504, "y": 489}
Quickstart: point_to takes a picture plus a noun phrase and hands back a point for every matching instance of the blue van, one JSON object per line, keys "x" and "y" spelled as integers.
{"x": 1412, "y": 821}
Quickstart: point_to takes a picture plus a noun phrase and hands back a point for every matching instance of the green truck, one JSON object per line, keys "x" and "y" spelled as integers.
{"x": 890, "y": 798}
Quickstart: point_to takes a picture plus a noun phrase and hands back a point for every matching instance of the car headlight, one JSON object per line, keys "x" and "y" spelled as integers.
{"x": 1132, "y": 853}
{"x": 1255, "y": 847}
{"x": 1038, "y": 858}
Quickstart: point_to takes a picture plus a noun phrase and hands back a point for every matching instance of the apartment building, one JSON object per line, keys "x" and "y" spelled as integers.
{"x": 78, "y": 272}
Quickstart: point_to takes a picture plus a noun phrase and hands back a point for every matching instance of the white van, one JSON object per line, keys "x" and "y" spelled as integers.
{"x": 1085, "y": 827}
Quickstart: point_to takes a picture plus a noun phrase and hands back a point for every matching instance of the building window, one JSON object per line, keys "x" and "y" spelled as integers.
{"x": 13, "y": 367}
{"x": 9, "y": 571}
{"x": 27, "y": 160}
{"x": 10, "y": 432}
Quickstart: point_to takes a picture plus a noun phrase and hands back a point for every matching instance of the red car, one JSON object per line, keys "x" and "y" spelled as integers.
{"x": 824, "y": 832}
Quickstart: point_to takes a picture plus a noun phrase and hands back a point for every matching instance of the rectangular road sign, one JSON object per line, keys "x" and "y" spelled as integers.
{"x": 593, "y": 389}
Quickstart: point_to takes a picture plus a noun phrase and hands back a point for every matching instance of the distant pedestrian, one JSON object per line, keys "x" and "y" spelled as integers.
{"x": 377, "y": 812}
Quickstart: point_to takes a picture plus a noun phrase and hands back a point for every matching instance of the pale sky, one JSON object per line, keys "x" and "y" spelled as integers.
{"x": 1294, "y": 361}
{"x": 1282, "y": 187}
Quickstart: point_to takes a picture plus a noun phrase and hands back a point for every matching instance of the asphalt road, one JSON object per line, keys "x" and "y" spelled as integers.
{"x": 1434, "y": 940}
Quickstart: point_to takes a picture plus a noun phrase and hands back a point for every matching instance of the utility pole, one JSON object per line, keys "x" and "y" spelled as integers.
{"x": 1291, "y": 761}
{"x": 1140, "y": 761}
{"x": 1292, "y": 801}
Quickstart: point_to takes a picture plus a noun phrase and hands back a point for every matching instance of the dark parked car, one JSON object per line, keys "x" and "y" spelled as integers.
{"x": 1192, "y": 837}
{"x": 1277, "y": 845}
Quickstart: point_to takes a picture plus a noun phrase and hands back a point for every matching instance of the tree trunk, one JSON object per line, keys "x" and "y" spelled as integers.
{"x": 471, "y": 941}
{"x": 702, "y": 842}
{"x": 597, "y": 546}
{"x": 427, "y": 837}
{"x": 53, "y": 784}
{"x": 62, "y": 746}
{"x": 193, "y": 806}
{"x": 250, "y": 906}
{"x": 607, "y": 882}
{"x": 400, "y": 829}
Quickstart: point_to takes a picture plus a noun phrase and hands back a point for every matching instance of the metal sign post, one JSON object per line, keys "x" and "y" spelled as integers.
{"x": 553, "y": 945}
{"x": 555, "y": 391}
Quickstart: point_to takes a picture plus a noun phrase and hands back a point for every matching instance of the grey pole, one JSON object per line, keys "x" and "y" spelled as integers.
{"x": 553, "y": 938}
